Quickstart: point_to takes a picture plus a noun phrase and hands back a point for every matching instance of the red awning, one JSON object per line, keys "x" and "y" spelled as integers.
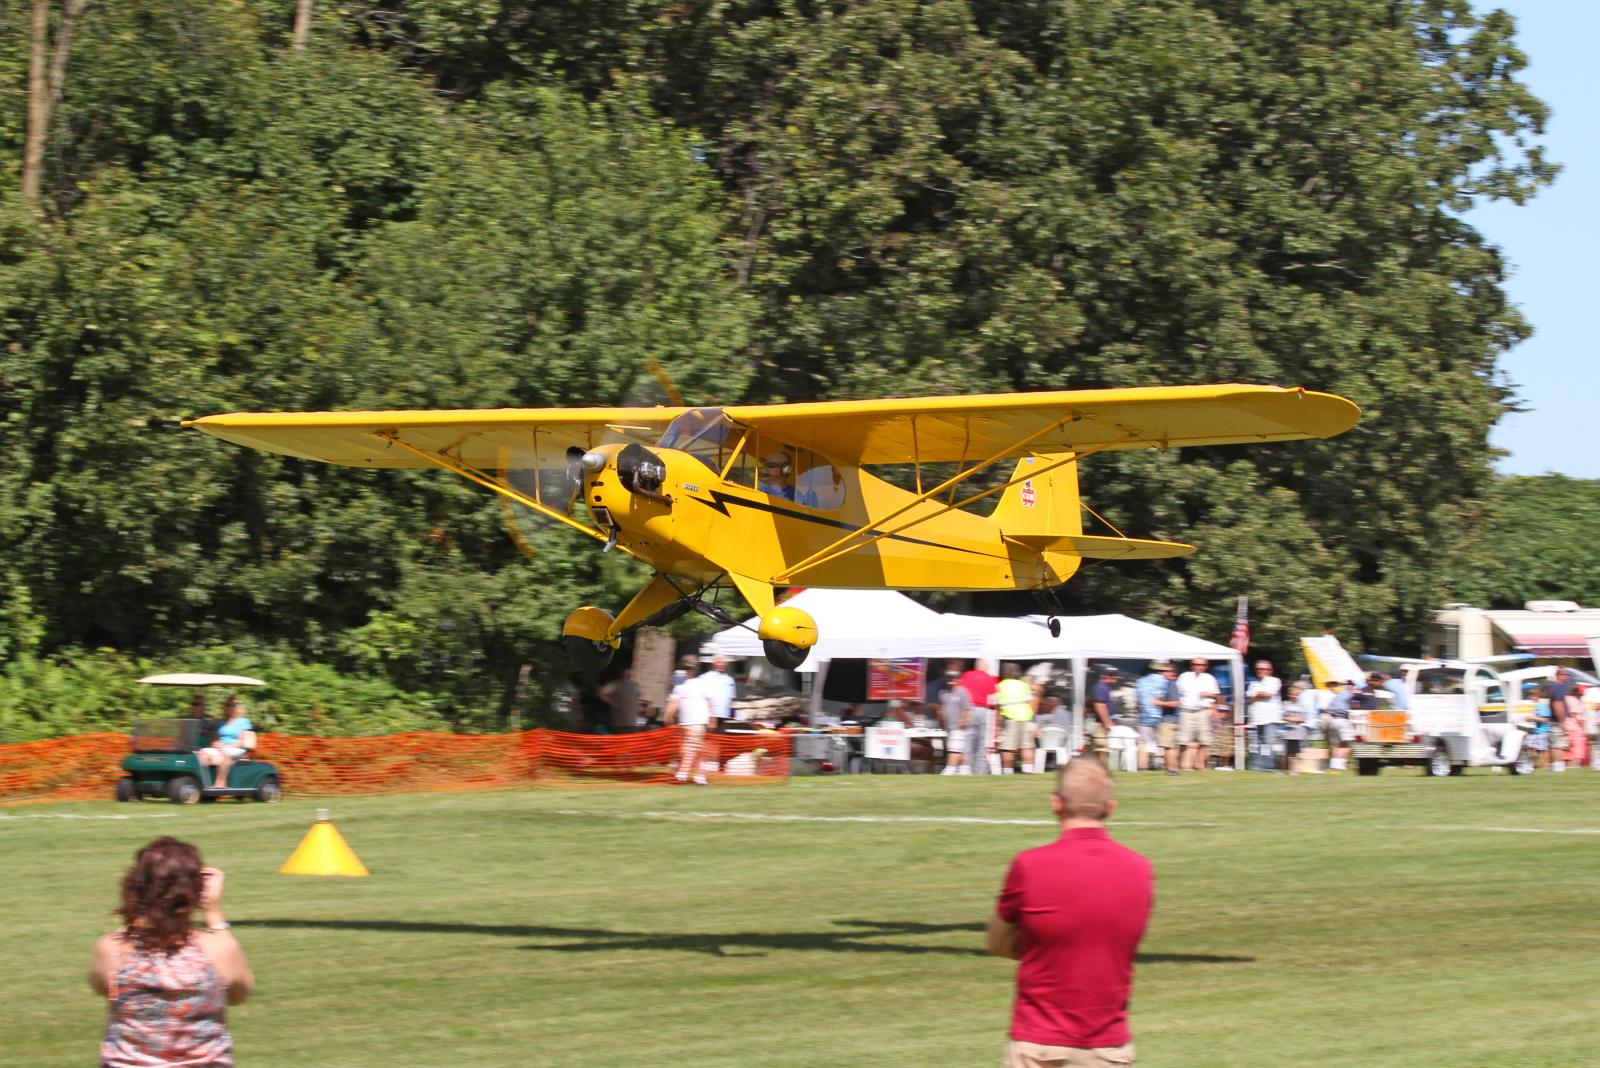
{"x": 1556, "y": 645}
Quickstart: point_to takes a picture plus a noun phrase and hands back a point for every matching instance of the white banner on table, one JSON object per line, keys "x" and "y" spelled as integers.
{"x": 887, "y": 741}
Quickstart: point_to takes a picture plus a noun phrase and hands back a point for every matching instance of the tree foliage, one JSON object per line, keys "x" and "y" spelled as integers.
{"x": 486, "y": 203}
{"x": 1535, "y": 542}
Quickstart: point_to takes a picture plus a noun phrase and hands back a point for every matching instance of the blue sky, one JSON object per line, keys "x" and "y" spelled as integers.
{"x": 1551, "y": 243}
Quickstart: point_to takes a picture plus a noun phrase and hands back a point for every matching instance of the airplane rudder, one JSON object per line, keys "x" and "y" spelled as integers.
{"x": 1046, "y": 503}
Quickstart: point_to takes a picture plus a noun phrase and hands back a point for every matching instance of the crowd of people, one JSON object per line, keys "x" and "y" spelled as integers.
{"x": 1174, "y": 718}
{"x": 1170, "y": 720}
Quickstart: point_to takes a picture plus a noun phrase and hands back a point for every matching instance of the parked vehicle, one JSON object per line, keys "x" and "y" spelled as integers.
{"x": 1462, "y": 714}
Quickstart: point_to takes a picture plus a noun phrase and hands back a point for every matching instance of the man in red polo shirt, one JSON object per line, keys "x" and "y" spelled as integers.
{"x": 1072, "y": 914}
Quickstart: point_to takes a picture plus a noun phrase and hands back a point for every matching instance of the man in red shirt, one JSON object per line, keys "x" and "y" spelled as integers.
{"x": 1072, "y": 913}
{"x": 980, "y": 683}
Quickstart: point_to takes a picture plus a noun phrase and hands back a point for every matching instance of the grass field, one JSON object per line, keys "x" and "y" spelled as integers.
{"x": 1341, "y": 921}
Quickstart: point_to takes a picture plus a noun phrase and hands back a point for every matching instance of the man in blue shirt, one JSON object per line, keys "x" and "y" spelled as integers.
{"x": 1157, "y": 694}
{"x": 1399, "y": 700}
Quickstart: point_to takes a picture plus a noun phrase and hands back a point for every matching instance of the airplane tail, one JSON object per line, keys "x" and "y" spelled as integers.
{"x": 1046, "y": 506}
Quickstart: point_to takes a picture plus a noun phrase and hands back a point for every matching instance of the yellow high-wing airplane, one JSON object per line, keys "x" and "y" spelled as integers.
{"x": 761, "y": 497}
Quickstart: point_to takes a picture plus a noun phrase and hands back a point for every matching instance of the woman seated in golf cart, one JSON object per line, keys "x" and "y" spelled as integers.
{"x": 235, "y": 737}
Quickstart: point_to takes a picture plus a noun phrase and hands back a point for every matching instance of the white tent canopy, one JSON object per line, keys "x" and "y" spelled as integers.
{"x": 857, "y": 624}
{"x": 1109, "y": 637}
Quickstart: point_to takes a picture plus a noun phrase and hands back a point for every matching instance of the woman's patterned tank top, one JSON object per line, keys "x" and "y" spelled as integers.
{"x": 167, "y": 1009}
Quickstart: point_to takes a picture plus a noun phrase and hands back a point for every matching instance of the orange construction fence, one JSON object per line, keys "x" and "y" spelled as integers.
{"x": 87, "y": 766}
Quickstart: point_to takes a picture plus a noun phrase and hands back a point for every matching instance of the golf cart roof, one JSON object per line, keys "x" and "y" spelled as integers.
{"x": 191, "y": 678}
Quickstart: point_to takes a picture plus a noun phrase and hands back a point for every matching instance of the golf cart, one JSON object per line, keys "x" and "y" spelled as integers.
{"x": 165, "y": 761}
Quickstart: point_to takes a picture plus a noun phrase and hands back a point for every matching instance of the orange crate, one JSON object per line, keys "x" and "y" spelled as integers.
{"x": 1386, "y": 727}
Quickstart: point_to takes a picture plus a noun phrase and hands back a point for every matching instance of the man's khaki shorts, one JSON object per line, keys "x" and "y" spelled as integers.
{"x": 1194, "y": 726}
{"x": 1167, "y": 734}
{"x": 1337, "y": 731}
{"x": 1033, "y": 1055}
{"x": 1099, "y": 738}
{"x": 1016, "y": 734}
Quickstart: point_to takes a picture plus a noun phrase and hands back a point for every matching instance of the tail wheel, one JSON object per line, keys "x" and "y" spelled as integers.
{"x": 590, "y": 656}
{"x": 784, "y": 655}
{"x": 269, "y": 790}
{"x": 126, "y": 790}
{"x": 183, "y": 790}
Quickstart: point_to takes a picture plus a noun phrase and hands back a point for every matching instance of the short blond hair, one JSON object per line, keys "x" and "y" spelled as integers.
{"x": 1085, "y": 787}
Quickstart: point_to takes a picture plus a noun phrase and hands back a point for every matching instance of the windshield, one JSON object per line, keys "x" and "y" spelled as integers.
{"x": 697, "y": 431}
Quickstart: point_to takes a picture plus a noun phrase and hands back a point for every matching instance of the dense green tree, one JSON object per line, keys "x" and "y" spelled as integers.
{"x": 481, "y": 202}
{"x": 1535, "y": 541}
{"x": 333, "y": 237}
{"x": 955, "y": 196}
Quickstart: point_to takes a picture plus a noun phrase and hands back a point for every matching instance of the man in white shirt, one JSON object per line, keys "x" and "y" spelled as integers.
{"x": 1198, "y": 694}
{"x": 720, "y": 690}
{"x": 1264, "y": 705}
{"x": 689, "y": 706}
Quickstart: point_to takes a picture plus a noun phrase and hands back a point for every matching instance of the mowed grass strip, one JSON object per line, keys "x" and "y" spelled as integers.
{"x": 1344, "y": 921}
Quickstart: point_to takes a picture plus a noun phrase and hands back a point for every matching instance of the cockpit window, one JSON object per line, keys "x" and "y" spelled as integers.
{"x": 704, "y": 433}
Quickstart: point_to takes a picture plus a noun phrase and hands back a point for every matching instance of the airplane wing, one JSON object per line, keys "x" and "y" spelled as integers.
{"x": 934, "y": 429}
{"x": 480, "y": 438}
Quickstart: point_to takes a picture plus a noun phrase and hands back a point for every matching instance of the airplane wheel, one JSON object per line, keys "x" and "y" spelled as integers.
{"x": 784, "y": 655}
{"x": 590, "y": 656}
{"x": 1054, "y": 626}
{"x": 126, "y": 791}
{"x": 183, "y": 790}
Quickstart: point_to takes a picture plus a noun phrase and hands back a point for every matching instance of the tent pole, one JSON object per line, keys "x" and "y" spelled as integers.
{"x": 1078, "y": 690}
{"x": 818, "y": 677}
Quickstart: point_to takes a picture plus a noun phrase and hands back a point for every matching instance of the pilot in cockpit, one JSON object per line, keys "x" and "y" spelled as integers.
{"x": 777, "y": 479}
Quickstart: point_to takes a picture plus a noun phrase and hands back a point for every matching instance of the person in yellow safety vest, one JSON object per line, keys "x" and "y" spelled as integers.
{"x": 1017, "y": 703}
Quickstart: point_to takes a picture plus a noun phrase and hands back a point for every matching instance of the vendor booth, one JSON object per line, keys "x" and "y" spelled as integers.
{"x": 886, "y": 624}
{"x": 862, "y": 624}
{"x": 1089, "y": 639}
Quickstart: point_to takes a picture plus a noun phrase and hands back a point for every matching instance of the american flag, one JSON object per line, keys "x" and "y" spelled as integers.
{"x": 1240, "y": 642}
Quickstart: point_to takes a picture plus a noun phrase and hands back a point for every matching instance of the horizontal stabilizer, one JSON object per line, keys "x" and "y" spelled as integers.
{"x": 1102, "y": 548}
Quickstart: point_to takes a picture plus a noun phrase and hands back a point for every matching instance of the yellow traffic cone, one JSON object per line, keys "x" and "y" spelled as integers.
{"x": 323, "y": 852}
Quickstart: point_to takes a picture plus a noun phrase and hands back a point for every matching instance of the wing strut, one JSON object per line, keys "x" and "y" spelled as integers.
{"x": 844, "y": 545}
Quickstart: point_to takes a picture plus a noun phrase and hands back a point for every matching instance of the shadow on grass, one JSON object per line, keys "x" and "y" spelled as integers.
{"x": 852, "y": 939}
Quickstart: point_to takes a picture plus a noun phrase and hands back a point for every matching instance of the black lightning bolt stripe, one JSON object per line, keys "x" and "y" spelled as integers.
{"x": 719, "y": 503}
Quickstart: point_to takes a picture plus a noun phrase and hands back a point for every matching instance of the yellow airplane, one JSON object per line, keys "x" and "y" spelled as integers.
{"x": 762, "y": 497}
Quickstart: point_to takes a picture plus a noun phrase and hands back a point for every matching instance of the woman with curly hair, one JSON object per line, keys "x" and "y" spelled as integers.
{"x": 168, "y": 984}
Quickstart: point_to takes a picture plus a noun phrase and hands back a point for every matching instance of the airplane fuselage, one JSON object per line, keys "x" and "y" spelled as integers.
{"x": 698, "y": 526}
